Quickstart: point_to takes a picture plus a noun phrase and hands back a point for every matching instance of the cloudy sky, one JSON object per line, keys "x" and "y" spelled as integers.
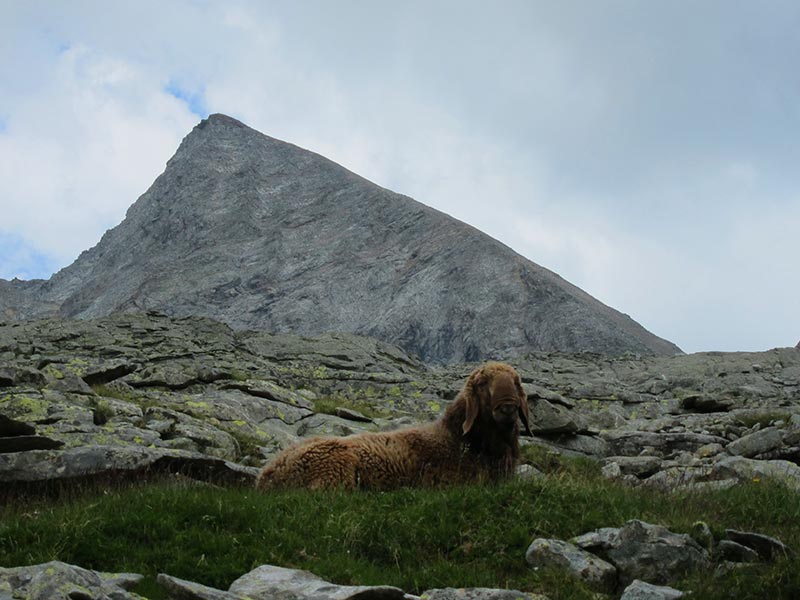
{"x": 648, "y": 152}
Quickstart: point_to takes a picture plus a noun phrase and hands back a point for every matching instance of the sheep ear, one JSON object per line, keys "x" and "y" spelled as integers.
{"x": 524, "y": 414}
{"x": 473, "y": 409}
{"x": 471, "y": 399}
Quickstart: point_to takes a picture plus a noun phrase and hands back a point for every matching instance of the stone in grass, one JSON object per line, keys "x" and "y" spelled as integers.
{"x": 594, "y": 571}
{"x": 268, "y": 582}
{"x": 768, "y": 548}
{"x": 640, "y": 590}
{"x": 733, "y": 552}
{"x": 654, "y": 554}
{"x": 648, "y": 552}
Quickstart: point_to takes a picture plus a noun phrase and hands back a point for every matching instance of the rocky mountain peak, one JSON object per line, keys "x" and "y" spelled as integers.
{"x": 262, "y": 234}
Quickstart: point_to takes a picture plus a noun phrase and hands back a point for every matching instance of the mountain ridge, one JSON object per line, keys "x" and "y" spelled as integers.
{"x": 262, "y": 234}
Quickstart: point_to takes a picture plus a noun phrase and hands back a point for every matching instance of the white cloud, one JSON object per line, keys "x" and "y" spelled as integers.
{"x": 82, "y": 147}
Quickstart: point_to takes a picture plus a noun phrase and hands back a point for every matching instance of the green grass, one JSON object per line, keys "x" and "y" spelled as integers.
{"x": 414, "y": 539}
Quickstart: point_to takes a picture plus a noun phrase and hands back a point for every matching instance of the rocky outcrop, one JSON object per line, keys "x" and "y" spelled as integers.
{"x": 263, "y": 235}
{"x": 142, "y": 392}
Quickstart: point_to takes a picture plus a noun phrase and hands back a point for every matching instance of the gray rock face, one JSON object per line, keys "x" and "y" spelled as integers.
{"x": 263, "y": 235}
{"x": 147, "y": 386}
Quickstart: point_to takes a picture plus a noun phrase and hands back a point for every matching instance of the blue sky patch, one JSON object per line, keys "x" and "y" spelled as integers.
{"x": 18, "y": 258}
{"x": 193, "y": 99}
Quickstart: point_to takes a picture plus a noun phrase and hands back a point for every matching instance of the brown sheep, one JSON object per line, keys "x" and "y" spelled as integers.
{"x": 477, "y": 439}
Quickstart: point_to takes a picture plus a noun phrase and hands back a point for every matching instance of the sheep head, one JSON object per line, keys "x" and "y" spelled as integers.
{"x": 494, "y": 392}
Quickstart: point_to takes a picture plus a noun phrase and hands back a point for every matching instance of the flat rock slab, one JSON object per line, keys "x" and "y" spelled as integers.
{"x": 268, "y": 582}
{"x": 582, "y": 565}
{"x": 60, "y": 581}
{"x": 76, "y": 463}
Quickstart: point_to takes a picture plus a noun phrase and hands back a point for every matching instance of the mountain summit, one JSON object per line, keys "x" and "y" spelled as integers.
{"x": 261, "y": 234}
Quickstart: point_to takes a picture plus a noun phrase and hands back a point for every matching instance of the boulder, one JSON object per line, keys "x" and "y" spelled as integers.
{"x": 655, "y": 554}
{"x": 267, "y": 582}
{"x": 648, "y": 552}
{"x": 60, "y": 581}
{"x": 759, "y": 442}
{"x": 595, "y": 572}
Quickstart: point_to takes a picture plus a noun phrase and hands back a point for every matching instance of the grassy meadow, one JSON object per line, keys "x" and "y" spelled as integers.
{"x": 414, "y": 539}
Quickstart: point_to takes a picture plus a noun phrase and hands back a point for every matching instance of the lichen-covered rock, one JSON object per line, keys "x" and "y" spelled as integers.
{"x": 60, "y": 581}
